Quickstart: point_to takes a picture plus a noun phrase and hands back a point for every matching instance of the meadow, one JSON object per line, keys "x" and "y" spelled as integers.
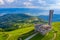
{"x": 54, "y": 34}
{"x": 24, "y": 32}
{"x": 15, "y": 34}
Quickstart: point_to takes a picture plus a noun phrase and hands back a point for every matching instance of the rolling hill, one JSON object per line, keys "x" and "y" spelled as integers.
{"x": 54, "y": 34}
{"x": 12, "y": 21}
{"x": 13, "y": 17}
{"x": 18, "y": 17}
{"x": 14, "y": 35}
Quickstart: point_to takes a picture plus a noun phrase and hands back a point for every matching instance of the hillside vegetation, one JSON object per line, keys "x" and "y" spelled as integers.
{"x": 15, "y": 34}
{"x": 15, "y": 26}
{"x": 54, "y": 34}
{"x": 10, "y": 22}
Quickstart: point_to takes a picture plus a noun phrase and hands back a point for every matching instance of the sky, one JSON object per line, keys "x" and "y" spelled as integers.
{"x": 39, "y": 4}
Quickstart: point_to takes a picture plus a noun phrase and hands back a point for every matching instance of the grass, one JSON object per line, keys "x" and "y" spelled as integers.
{"x": 43, "y": 37}
{"x": 37, "y": 37}
{"x": 27, "y": 31}
{"x": 50, "y": 35}
{"x": 13, "y": 35}
{"x": 3, "y": 36}
{"x": 56, "y": 27}
{"x": 27, "y": 34}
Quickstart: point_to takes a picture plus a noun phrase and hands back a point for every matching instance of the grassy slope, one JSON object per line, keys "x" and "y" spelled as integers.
{"x": 13, "y": 35}
{"x": 56, "y": 27}
{"x": 24, "y": 36}
{"x": 3, "y": 36}
{"x": 50, "y": 35}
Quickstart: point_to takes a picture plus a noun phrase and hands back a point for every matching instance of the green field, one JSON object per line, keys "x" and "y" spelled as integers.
{"x": 50, "y": 36}
{"x": 27, "y": 31}
{"x": 15, "y": 34}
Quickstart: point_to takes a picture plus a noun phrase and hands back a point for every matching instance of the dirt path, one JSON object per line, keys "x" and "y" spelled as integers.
{"x": 54, "y": 36}
{"x": 8, "y": 37}
{"x": 31, "y": 36}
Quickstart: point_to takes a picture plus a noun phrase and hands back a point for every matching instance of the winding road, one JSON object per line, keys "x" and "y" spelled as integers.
{"x": 54, "y": 36}
{"x": 31, "y": 36}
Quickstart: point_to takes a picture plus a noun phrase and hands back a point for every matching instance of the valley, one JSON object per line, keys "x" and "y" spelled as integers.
{"x": 22, "y": 26}
{"x": 26, "y": 32}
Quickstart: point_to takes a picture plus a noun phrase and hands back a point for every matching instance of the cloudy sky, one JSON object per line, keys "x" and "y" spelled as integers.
{"x": 39, "y": 4}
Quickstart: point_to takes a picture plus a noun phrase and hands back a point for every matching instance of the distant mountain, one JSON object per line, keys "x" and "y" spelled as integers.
{"x": 20, "y": 10}
{"x": 56, "y": 17}
{"x": 21, "y": 17}
{"x": 8, "y": 20}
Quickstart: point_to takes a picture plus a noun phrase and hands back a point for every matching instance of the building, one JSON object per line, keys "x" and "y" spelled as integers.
{"x": 44, "y": 28}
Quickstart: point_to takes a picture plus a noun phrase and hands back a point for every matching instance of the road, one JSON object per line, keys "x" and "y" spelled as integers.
{"x": 28, "y": 38}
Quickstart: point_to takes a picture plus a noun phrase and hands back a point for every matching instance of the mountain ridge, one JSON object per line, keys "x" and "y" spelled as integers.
{"x": 56, "y": 17}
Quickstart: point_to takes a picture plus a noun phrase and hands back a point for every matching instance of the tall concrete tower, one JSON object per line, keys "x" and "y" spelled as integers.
{"x": 50, "y": 17}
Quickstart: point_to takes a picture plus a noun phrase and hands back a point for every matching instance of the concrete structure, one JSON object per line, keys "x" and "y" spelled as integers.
{"x": 44, "y": 28}
{"x": 50, "y": 17}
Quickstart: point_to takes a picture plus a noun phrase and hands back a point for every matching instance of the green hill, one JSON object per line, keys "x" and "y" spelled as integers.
{"x": 15, "y": 26}
{"x": 15, "y": 34}
{"x": 54, "y": 34}
{"x": 11, "y": 22}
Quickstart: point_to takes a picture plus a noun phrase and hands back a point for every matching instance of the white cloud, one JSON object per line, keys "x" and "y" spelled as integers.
{"x": 45, "y": 5}
{"x": 48, "y": 6}
{"x": 10, "y": 1}
{"x": 53, "y": 6}
{"x": 43, "y": 2}
{"x": 30, "y": 0}
{"x": 56, "y": 5}
{"x": 57, "y": 1}
{"x": 31, "y": 7}
{"x": 27, "y": 3}
{"x": 1, "y": 2}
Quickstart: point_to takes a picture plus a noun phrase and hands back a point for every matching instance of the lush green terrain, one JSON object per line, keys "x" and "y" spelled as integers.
{"x": 54, "y": 34}
{"x": 10, "y": 22}
{"x": 14, "y": 35}
{"x": 15, "y": 26}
